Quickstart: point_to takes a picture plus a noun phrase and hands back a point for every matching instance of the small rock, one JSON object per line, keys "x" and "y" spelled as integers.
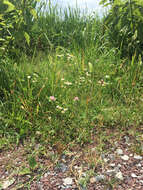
{"x": 93, "y": 149}
{"x": 62, "y": 167}
{"x": 119, "y": 151}
{"x": 131, "y": 155}
{"x": 111, "y": 156}
{"x": 134, "y": 175}
{"x": 7, "y": 183}
{"x": 139, "y": 165}
{"x": 77, "y": 167}
{"x": 84, "y": 174}
{"x": 116, "y": 169}
{"x": 63, "y": 157}
{"x": 110, "y": 172}
{"x": 92, "y": 180}
{"x": 39, "y": 185}
{"x": 116, "y": 143}
{"x": 127, "y": 139}
{"x": 62, "y": 187}
{"x": 140, "y": 177}
{"x": 119, "y": 175}
{"x": 68, "y": 181}
{"x": 100, "y": 178}
{"x": 112, "y": 165}
{"x": 137, "y": 157}
{"x": 106, "y": 160}
{"x": 102, "y": 156}
{"x": 141, "y": 181}
{"x": 125, "y": 157}
{"x": 119, "y": 166}
{"x": 45, "y": 175}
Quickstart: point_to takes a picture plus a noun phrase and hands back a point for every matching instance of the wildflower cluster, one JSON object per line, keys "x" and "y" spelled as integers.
{"x": 63, "y": 110}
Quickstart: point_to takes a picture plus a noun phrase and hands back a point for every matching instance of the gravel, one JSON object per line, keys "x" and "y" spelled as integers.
{"x": 125, "y": 158}
{"x": 119, "y": 166}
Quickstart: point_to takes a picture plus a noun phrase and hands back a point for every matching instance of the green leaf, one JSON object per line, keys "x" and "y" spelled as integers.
{"x": 24, "y": 171}
{"x": 1, "y": 39}
{"x": 27, "y": 37}
{"x": 1, "y": 16}
{"x": 135, "y": 35}
{"x": 32, "y": 162}
{"x": 2, "y": 23}
{"x": 11, "y": 7}
{"x": 33, "y": 13}
{"x": 90, "y": 67}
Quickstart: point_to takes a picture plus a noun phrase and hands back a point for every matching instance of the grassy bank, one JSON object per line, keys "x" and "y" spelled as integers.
{"x": 65, "y": 95}
{"x": 71, "y": 85}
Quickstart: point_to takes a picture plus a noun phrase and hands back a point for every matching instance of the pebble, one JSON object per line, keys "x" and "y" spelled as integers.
{"x": 106, "y": 160}
{"x": 7, "y": 183}
{"x": 110, "y": 172}
{"x": 77, "y": 167}
{"x": 68, "y": 181}
{"x": 112, "y": 165}
{"x": 127, "y": 139}
{"x": 111, "y": 156}
{"x": 116, "y": 143}
{"x": 102, "y": 156}
{"x": 140, "y": 177}
{"x": 119, "y": 151}
{"x": 134, "y": 175}
{"x": 61, "y": 167}
{"x": 100, "y": 178}
{"x": 92, "y": 180}
{"x": 125, "y": 157}
{"x": 84, "y": 174}
{"x": 116, "y": 169}
{"x": 137, "y": 157}
{"x": 93, "y": 149}
{"x": 45, "y": 175}
{"x": 139, "y": 165}
{"x": 119, "y": 175}
{"x": 39, "y": 185}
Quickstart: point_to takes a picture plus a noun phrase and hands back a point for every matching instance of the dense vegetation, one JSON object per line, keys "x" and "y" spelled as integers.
{"x": 65, "y": 75}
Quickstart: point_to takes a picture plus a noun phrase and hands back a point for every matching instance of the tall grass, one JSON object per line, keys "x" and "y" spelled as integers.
{"x": 72, "y": 84}
{"x": 69, "y": 28}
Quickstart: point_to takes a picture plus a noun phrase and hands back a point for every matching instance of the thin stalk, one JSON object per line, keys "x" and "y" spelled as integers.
{"x": 131, "y": 15}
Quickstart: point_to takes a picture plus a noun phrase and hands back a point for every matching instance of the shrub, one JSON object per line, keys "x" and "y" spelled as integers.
{"x": 125, "y": 25}
{"x": 16, "y": 18}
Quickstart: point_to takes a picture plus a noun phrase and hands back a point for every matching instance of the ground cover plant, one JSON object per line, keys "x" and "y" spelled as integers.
{"x": 65, "y": 78}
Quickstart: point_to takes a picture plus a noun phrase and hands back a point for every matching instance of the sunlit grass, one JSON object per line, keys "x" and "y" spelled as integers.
{"x": 63, "y": 97}
{"x": 73, "y": 84}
